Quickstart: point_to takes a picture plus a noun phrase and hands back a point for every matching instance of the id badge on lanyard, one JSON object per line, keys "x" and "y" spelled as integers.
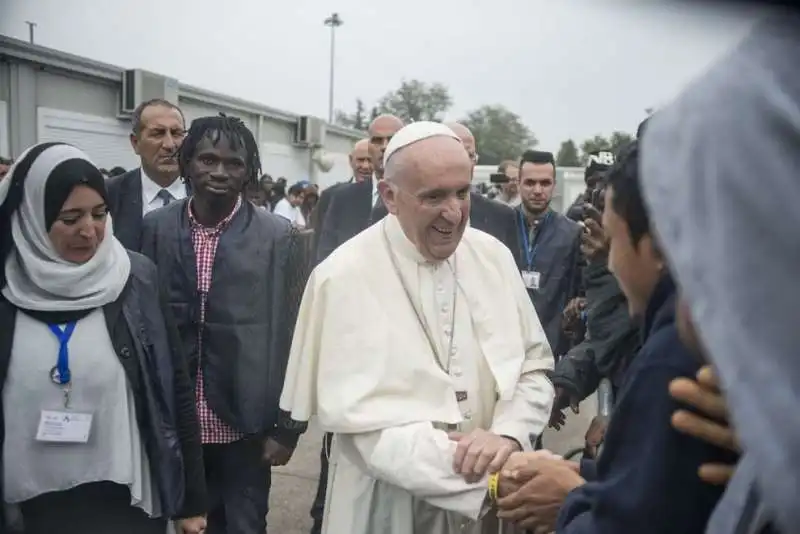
{"x": 63, "y": 425}
{"x": 530, "y": 276}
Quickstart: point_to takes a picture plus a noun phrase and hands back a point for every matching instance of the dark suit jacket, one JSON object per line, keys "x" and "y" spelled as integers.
{"x": 344, "y": 211}
{"x": 494, "y": 218}
{"x": 125, "y": 206}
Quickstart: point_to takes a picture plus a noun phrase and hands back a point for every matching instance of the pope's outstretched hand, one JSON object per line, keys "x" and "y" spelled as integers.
{"x": 480, "y": 452}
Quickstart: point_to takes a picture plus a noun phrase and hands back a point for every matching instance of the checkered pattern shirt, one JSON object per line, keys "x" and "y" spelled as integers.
{"x": 205, "y": 241}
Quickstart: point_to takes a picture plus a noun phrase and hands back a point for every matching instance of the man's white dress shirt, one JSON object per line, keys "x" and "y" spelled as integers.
{"x": 150, "y": 190}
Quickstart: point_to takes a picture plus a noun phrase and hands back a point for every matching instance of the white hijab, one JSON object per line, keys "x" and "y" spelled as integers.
{"x": 720, "y": 175}
{"x": 37, "y": 278}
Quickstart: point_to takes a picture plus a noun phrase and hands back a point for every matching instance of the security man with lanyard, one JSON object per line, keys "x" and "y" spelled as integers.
{"x": 550, "y": 243}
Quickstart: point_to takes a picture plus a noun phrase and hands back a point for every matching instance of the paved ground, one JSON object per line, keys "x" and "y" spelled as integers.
{"x": 294, "y": 486}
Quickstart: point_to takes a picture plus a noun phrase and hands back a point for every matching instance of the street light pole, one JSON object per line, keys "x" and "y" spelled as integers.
{"x": 334, "y": 21}
{"x": 31, "y": 27}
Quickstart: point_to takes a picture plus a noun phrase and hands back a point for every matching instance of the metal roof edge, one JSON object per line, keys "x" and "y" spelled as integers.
{"x": 23, "y": 51}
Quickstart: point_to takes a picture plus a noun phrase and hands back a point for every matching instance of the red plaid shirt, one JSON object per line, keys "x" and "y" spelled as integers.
{"x": 205, "y": 241}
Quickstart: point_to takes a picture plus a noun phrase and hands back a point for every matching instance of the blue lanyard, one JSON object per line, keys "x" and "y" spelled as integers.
{"x": 530, "y": 248}
{"x": 60, "y": 374}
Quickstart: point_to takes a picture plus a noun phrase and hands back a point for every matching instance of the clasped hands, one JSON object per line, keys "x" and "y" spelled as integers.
{"x": 532, "y": 485}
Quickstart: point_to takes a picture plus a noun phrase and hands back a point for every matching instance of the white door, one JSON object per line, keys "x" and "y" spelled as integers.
{"x": 104, "y": 139}
{"x": 5, "y": 151}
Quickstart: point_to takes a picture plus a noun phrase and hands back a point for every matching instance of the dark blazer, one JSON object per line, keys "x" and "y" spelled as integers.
{"x": 558, "y": 259}
{"x": 489, "y": 216}
{"x": 249, "y": 320}
{"x": 125, "y": 206}
{"x": 345, "y": 213}
{"x": 146, "y": 341}
{"x": 317, "y": 218}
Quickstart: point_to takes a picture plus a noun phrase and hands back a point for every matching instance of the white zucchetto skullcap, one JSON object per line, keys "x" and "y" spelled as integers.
{"x": 415, "y": 132}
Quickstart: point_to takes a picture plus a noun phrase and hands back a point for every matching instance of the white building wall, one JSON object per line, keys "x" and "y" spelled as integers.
{"x": 193, "y": 110}
{"x": 285, "y": 161}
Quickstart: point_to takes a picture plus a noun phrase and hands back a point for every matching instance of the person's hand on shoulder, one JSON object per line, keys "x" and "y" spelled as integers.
{"x": 711, "y": 424}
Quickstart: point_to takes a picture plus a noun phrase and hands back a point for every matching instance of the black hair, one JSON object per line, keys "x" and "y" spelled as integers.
{"x": 627, "y": 201}
{"x": 63, "y": 179}
{"x": 503, "y": 167}
{"x": 6, "y": 161}
{"x": 538, "y": 157}
{"x": 297, "y": 189}
{"x": 214, "y": 128}
{"x": 116, "y": 171}
{"x": 136, "y": 118}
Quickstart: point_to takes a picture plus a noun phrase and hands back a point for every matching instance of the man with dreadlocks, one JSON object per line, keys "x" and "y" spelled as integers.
{"x": 225, "y": 265}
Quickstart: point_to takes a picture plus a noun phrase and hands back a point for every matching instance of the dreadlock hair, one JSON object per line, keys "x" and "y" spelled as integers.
{"x": 214, "y": 128}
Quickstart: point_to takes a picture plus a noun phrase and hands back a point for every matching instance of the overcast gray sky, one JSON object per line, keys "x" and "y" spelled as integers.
{"x": 570, "y": 68}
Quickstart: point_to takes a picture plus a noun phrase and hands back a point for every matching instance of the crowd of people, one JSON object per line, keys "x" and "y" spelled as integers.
{"x": 156, "y": 369}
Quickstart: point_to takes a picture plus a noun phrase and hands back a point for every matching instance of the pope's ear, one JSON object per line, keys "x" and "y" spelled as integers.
{"x": 388, "y": 196}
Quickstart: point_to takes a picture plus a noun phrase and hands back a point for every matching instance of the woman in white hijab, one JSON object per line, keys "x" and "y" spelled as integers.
{"x": 720, "y": 173}
{"x": 99, "y": 431}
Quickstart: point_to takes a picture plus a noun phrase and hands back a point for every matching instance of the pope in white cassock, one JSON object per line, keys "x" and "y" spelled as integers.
{"x": 418, "y": 347}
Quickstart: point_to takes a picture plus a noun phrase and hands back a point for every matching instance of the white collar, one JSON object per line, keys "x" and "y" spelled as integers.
{"x": 150, "y": 189}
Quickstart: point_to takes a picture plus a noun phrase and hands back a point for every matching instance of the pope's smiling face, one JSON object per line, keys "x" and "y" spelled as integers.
{"x": 429, "y": 191}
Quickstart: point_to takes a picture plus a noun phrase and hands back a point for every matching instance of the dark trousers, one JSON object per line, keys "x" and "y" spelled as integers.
{"x": 238, "y": 483}
{"x": 93, "y": 508}
{"x": 318, "y": 506}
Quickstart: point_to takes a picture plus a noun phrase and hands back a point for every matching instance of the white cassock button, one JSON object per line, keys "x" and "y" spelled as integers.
{"x": 445, "y": 309}
{"x": 440, "y": 288}
{"x": 456, "y": 371}
{"x": 447, "y": 330}
{"x": 468, "y": 415}
{"x": 453, "y": 350}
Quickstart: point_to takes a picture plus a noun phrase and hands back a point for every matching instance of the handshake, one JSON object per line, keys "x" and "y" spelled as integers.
{"x": 526, "y": 489}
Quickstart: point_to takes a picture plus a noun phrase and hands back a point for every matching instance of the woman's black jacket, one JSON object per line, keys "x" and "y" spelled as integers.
{"x": 147, "y": 344}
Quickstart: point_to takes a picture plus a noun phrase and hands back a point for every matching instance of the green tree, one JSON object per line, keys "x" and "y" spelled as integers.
{"x": 619, "y": 140}
{"x": 594, "y": 144}
{"x": 417, "y": 101}
{"x": 568, "y": 155}
{"x": 357, "y": 120}
{"x": 499, "y": 133}
{"x": 613, "y": 143}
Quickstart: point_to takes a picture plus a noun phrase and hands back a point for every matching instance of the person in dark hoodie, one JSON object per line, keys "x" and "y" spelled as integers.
{"x": 646, "y": 479}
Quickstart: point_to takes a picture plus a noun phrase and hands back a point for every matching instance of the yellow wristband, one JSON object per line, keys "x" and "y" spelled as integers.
{"x": 494, "y": 486}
